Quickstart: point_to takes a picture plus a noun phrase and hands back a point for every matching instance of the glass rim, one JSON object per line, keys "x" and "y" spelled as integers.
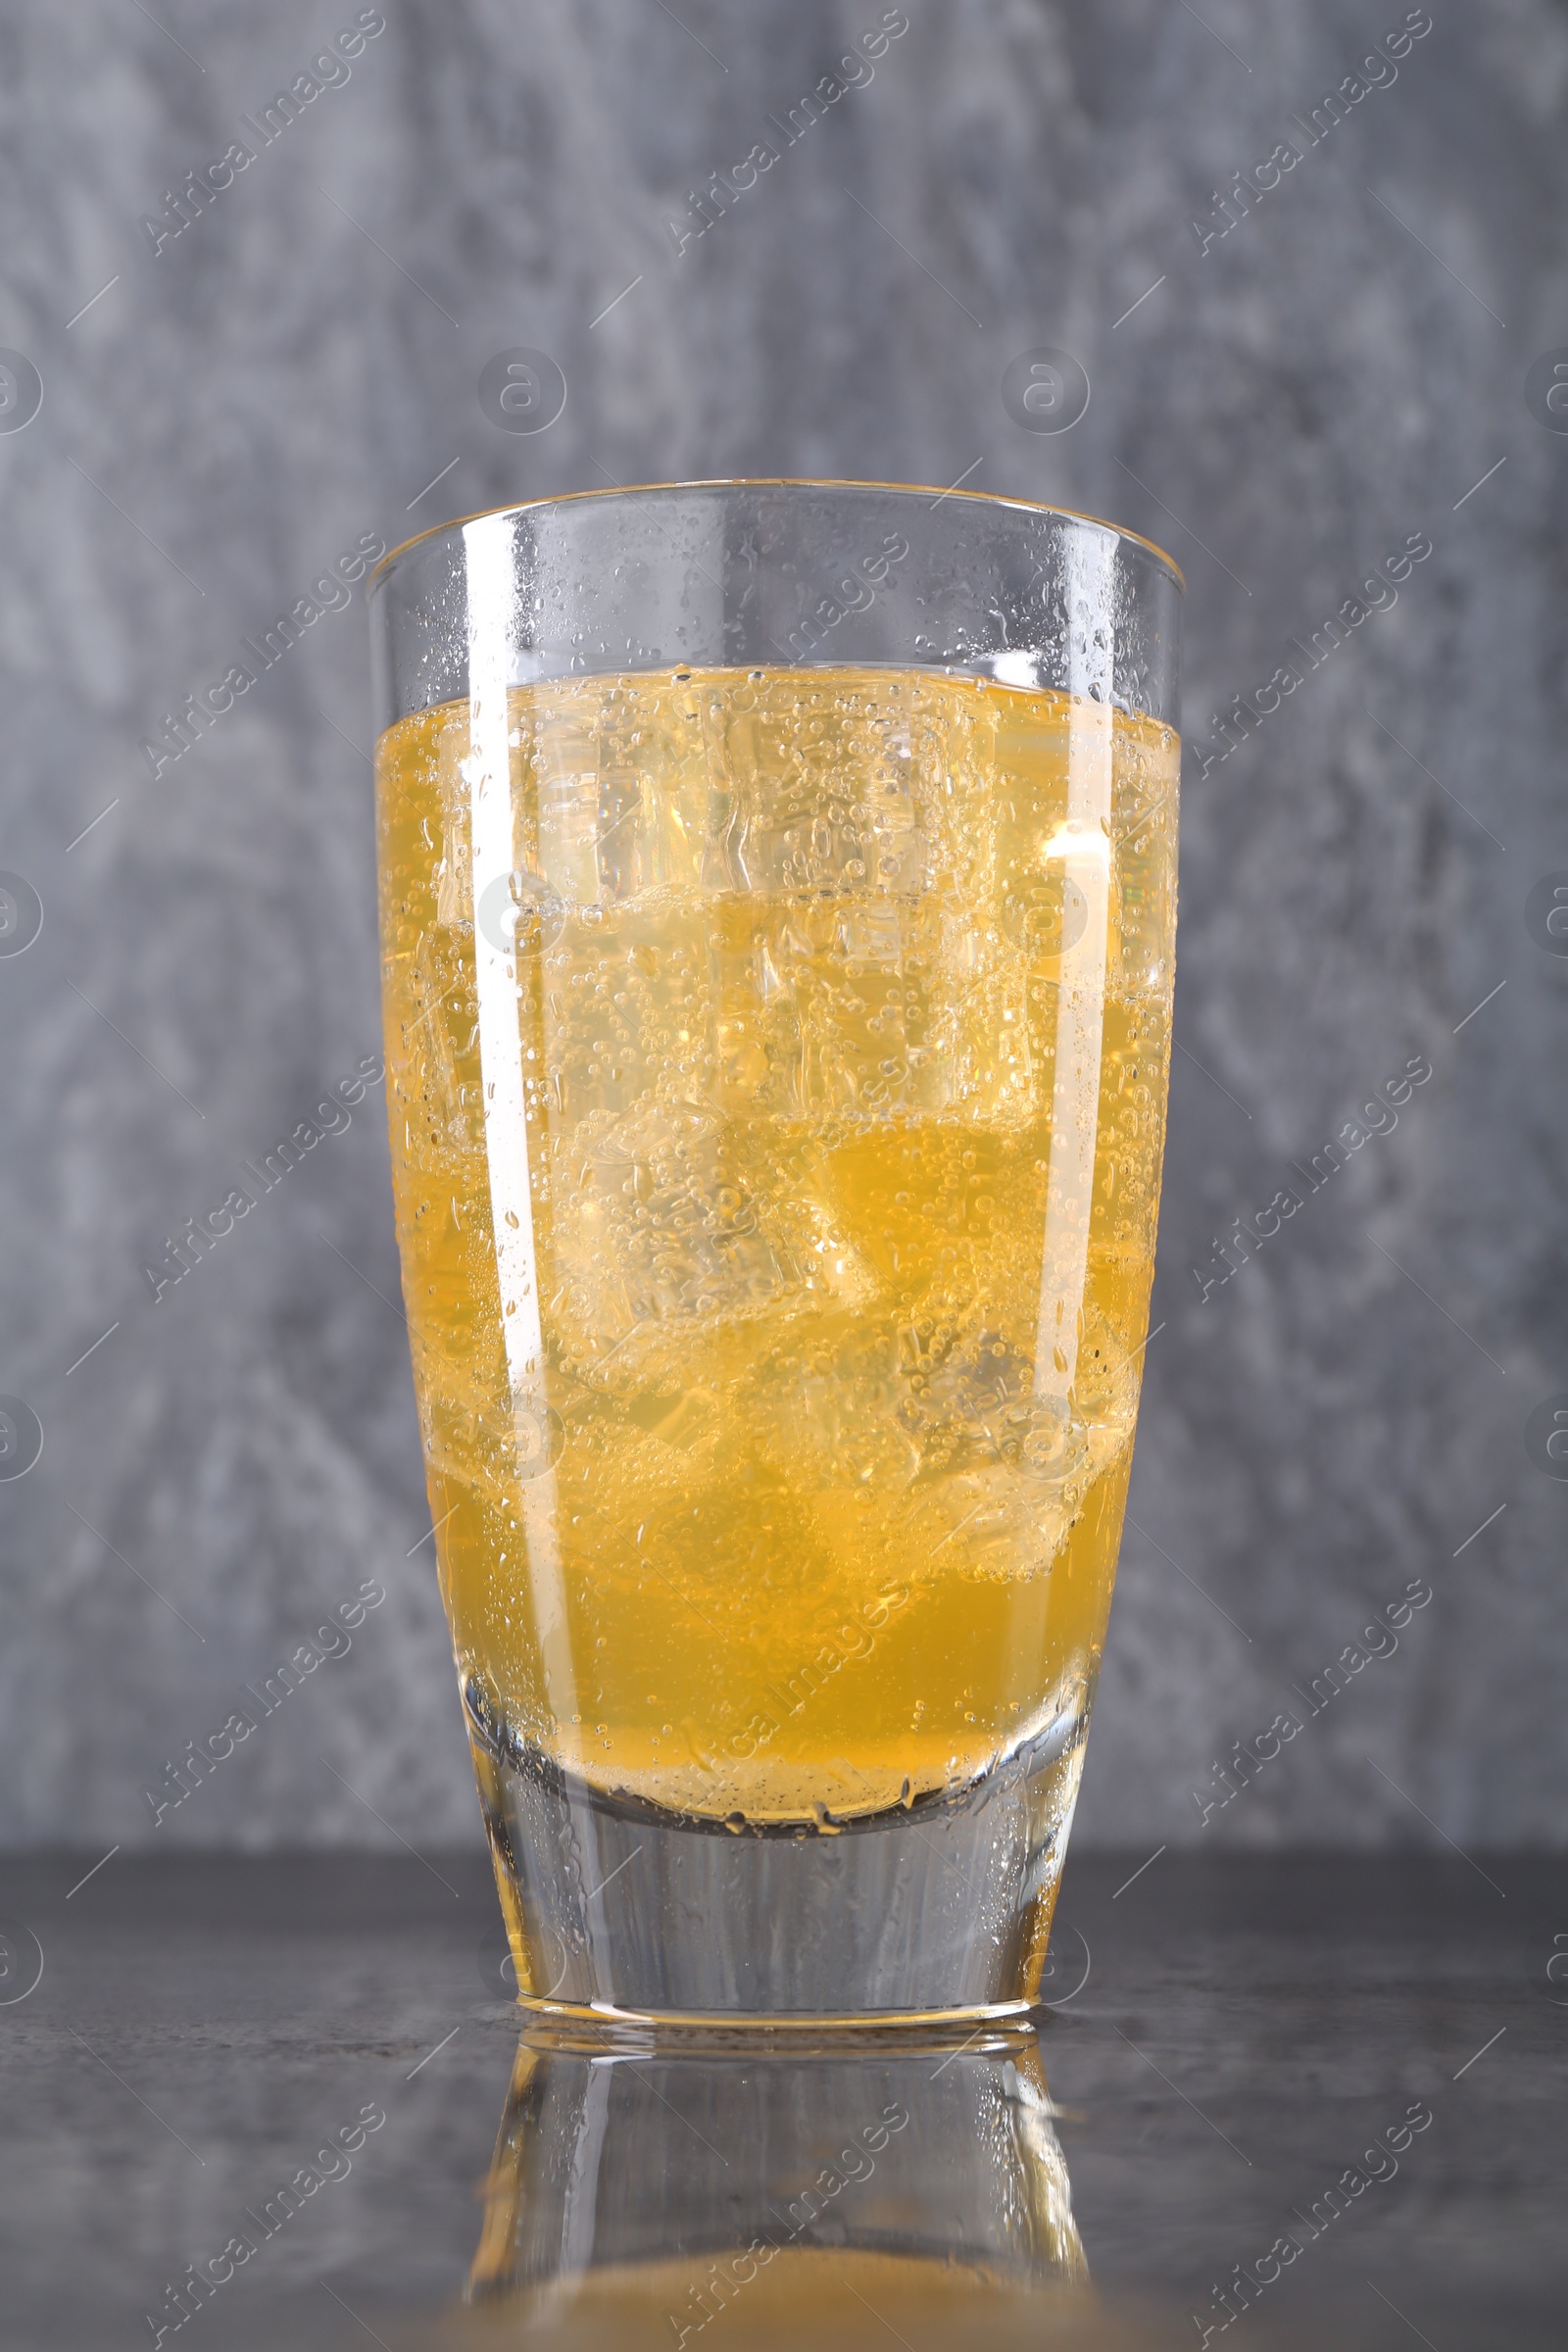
{"x": 780, "y": 481}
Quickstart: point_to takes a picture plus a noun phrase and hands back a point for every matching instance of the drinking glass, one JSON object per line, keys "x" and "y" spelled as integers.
{"x": 777, "y": 906}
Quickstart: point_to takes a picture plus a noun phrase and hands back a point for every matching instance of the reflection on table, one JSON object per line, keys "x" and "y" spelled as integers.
{"x": 781, "y": 2194}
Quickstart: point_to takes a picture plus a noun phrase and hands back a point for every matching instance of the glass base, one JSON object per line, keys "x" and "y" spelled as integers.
{"x": 624, "y": 1915}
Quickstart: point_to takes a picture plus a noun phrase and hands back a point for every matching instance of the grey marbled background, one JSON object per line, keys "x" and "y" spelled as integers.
{"x": 1281, "y": 410}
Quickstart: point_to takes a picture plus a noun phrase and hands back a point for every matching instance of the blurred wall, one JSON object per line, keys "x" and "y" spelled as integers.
{"x": 1344, "y": 374}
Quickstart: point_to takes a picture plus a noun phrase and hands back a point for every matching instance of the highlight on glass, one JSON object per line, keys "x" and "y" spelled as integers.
{"x": 777, "y": 909}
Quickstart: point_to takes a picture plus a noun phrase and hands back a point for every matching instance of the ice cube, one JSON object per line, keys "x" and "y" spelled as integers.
{"x": 675, "y": 1220}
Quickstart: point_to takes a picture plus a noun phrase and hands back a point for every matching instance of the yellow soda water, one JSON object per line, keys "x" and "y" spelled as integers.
{"x": 809, "y": 1059}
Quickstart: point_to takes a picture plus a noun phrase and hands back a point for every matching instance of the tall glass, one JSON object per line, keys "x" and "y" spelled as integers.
{"x": 777, "y": 905}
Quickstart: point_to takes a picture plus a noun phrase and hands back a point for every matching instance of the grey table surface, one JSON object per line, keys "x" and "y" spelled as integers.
{"x": 1228, "y": 2037}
